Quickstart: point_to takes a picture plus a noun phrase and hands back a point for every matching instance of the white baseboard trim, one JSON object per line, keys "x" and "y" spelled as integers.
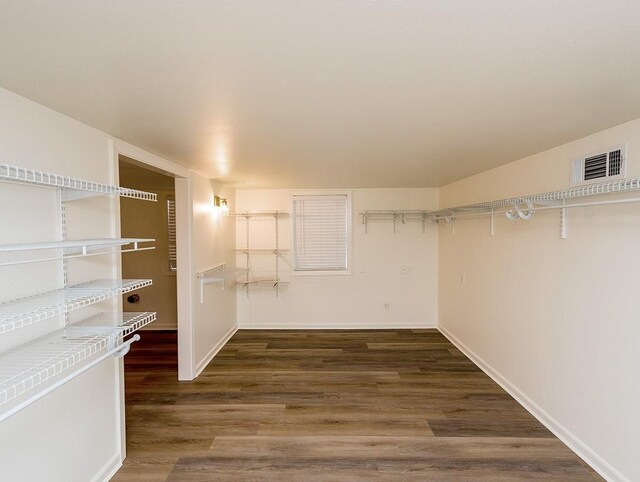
{"x": 214, "y": 351}
{"x": 334, "y": 326}
{"x": 109, "y": 470}
{"x": 160, "y": 326}
{"x": 582, "y": 450}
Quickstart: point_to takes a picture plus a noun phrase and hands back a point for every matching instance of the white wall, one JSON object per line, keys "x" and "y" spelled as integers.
{"x": 212, "y": 243}
{"x": 346, "y": 301}
{"x": 555, "y": 320}
{"x": 73, "y": 434}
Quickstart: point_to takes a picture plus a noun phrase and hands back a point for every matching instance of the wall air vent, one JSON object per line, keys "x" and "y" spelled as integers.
{"x": 600, "y": 166}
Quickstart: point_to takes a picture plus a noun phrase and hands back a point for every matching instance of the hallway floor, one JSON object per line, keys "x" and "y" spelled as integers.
{"x": 375, "y": 405}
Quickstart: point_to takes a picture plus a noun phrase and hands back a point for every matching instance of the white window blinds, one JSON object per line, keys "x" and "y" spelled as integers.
{"x": 320, "y": 232}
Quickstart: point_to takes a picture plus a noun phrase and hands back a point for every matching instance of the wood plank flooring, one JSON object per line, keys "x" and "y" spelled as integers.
{"x": 384, "y": 405}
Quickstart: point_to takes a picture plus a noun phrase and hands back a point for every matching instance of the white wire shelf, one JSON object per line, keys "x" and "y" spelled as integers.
{"x": 259, "y": 214}
{"x": 74, "y": 249}
{"x": 218, "y": 274}
{"x": 77, "y": 245}
{"x": 16, "y": 314}
{"x": 402, "y": 216}
{"x": 262, "y": 250}
{"x": 124, "y": 323}
{"x": 413, "y": 214}
{"x": 264, "y": 283}
{"x": 547, "y": 200}
{"x": 223, "y": 275}
{"x": 68, "y": 351}
{"x": 72, "y": 188}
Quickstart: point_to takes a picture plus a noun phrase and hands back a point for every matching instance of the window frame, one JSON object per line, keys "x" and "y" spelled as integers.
{"x": 323, "y": 192}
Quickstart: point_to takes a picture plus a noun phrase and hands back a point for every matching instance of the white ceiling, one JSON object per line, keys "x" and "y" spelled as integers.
{"x": 330, "y": 93}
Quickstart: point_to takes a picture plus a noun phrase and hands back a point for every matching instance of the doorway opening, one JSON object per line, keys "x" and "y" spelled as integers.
{"x": 157, "y": 351}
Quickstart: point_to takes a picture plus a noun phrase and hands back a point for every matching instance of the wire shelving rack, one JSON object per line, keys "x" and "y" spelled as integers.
{"x": 248, "y": 283}
{"x": 31, "y": 370}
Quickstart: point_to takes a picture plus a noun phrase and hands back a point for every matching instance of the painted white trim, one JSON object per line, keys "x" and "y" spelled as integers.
{"x": 214, "y": 351}
{"x": 185, "y": 276}
{"x": 336, "y": 326}
{"x": 149, "y": 159}
{"x": 117, "y": 274}
{"x": 581, "y": 449}
{"x": 183, "y": 198}
{"x": 109, "y": 469}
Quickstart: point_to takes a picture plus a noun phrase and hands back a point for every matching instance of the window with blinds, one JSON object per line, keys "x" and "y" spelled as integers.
{"x": 320, "y": 232}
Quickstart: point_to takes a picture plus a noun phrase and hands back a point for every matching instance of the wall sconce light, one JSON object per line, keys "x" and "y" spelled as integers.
{"x": 221, "y": 204}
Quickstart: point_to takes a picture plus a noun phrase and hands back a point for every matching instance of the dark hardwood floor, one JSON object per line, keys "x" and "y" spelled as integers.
{"x": 383, "y": 405}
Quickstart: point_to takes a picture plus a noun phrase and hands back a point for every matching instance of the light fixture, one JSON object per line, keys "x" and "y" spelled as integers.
{"x": 222, "y": 204}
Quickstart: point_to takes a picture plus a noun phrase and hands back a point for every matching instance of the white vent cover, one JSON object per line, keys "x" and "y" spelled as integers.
{"x": 600, "y": 166}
